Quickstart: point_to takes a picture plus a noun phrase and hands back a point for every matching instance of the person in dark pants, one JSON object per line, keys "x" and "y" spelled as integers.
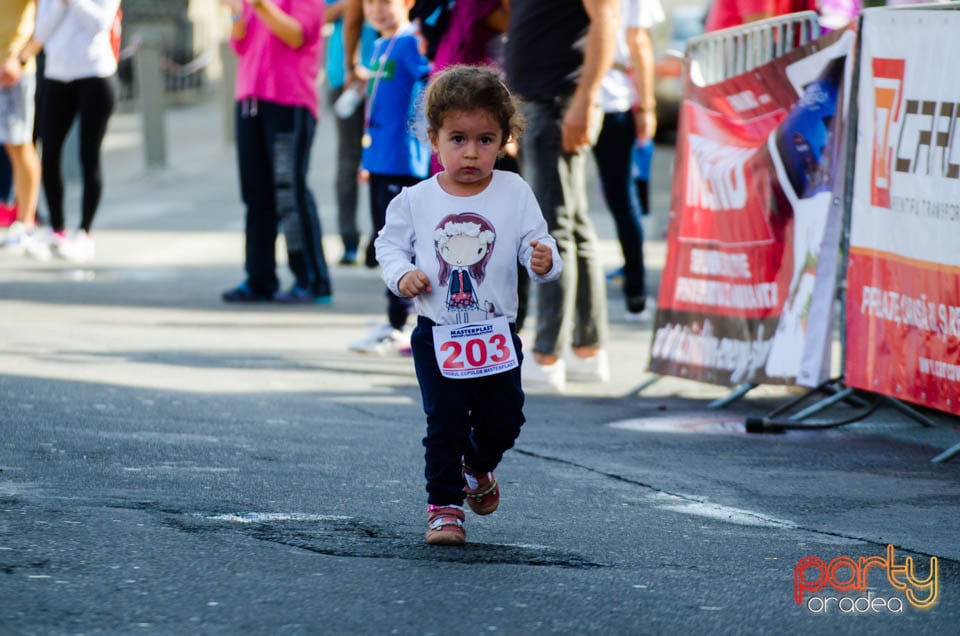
{"x": 79, "y": 82}
{"x": 393, "y": 157}
{"x": 556, "y": 54}
{"x": 276, "y": 121}
{"x": 629, "y": 105}
{"x": 349, "y": 127}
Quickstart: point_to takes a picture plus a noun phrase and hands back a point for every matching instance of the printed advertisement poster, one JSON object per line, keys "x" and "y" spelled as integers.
{"x": 903, "y": 278}
{"x": 747, "y": 291}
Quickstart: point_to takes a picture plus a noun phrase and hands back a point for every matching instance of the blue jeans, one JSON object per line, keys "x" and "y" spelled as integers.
{"x": 573, "y": 309}
{"x": 613, "y": 153}
{"x": 476, "y": 419}
{"x": 273, "y": 153}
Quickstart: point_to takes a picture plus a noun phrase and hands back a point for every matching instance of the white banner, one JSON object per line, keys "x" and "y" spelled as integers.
{"x": 903, "y": 275}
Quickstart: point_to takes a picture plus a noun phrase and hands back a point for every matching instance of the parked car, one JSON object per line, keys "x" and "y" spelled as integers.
{"x": 670, "y": 41}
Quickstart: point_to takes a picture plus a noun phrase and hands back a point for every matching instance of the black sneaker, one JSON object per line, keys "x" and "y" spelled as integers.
{"x": 636, "y": 304}
{"x": 349, "y": 257}
{"x": 243, "y": 293}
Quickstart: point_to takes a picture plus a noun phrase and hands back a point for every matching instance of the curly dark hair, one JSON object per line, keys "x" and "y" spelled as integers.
{"x": 469, "y": 88}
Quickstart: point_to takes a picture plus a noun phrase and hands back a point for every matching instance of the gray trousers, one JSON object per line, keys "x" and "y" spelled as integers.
{"x": 349, "y": 150}
{"x": 571, "y": 311}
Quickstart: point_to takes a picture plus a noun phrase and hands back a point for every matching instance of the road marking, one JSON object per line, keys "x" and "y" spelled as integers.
{"x": 682, "y": 424}
{"x": 272, "y": 517}
{"x": 720, "y": 512}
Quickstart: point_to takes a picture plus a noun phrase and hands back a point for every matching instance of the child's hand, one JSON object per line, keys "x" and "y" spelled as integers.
{"x": 541, "y": 261}
{"x": 414, "y": 283}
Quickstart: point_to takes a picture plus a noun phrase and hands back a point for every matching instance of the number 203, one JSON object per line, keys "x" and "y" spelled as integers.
{"x": 477, "y": 352}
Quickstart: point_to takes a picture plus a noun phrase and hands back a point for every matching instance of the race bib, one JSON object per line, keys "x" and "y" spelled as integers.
{"x": 475, "y": 350}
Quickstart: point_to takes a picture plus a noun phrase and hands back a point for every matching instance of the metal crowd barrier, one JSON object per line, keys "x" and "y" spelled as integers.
{"x": 716, "y": 56}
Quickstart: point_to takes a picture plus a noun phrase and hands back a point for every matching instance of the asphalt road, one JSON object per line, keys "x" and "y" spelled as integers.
{"x": 172, "y": 465}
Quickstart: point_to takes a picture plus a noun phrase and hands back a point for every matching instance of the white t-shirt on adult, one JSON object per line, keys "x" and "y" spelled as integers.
{"x": 76, "y": 38}
{"x": 617, "y": 92}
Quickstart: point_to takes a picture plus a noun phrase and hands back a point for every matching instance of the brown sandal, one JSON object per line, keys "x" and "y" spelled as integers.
{"x": 485, "y": 498}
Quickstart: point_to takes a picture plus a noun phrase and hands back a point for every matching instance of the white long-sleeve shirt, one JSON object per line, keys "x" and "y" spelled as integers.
{"x": 428, "y": 229}
{"x": 76, "y": 38}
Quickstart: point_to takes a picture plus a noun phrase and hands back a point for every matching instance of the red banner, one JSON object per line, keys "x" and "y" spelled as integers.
{"x": 753, "y": 206}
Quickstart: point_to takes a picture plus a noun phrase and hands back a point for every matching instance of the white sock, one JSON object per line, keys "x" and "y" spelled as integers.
{"x": 472, "y": 482}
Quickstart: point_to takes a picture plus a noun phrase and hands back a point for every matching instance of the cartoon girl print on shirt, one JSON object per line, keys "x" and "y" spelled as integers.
{"x": 464, "y": 243}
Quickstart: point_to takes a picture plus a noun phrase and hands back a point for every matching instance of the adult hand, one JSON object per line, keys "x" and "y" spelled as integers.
{"x": 541, "y": 261}
{"x": 10, "y": 72}
{"x": 414, "y": 283}
{"x": 646, "y": 124}
{"x": 575, "y": 128}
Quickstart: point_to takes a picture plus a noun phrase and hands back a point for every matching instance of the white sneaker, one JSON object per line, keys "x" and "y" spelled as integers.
{"x": 380, "y": 340}
{"x": 596, "y": 368}
{"x": 58, "y": 241}
{"x": 79, "y": 248}
{"x": 16, "y": 238}
{"x": 548, "y": 378}
{"x": 37, "y": 245}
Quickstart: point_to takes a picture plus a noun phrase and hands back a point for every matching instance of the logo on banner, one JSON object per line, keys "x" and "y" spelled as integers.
{"x": 912, "y": 136}
{"x": 816, "y": 578}
{"x": 887, "y": 98}
{"x": 724, "y": 181}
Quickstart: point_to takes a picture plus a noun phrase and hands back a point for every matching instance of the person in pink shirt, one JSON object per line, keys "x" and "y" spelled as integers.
{"x": 279, "y": 45}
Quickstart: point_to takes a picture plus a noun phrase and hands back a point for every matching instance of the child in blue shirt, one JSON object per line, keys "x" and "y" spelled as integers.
{"x": 394, "y": 157}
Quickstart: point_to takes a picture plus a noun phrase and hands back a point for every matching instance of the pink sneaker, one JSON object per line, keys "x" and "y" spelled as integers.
{"x": 445, "y": 525}
{"x": 8, "y": 214}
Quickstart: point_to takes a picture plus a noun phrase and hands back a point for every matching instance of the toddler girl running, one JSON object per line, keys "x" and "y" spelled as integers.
{"x": 454, "y": 243}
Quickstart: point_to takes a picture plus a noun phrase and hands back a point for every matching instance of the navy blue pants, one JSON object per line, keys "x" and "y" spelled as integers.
{"x": 476, "y": 419}
{"x": 273, "y": 153}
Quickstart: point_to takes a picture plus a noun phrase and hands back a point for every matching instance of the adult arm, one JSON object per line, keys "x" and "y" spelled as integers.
{"x": 352, "y": 27}
{"x": 281, "y": 24}
{"x": 334, "y": 11}
{"x": 641, "y": 60}
{"x": 597, "y": 60}
{"x": 11, "y": 64}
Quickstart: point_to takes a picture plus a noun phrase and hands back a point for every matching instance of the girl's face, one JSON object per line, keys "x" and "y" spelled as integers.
{"x": 468, "y": 144}
{"x": 463, "y": 250}
{"x": 387, "y": 16}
